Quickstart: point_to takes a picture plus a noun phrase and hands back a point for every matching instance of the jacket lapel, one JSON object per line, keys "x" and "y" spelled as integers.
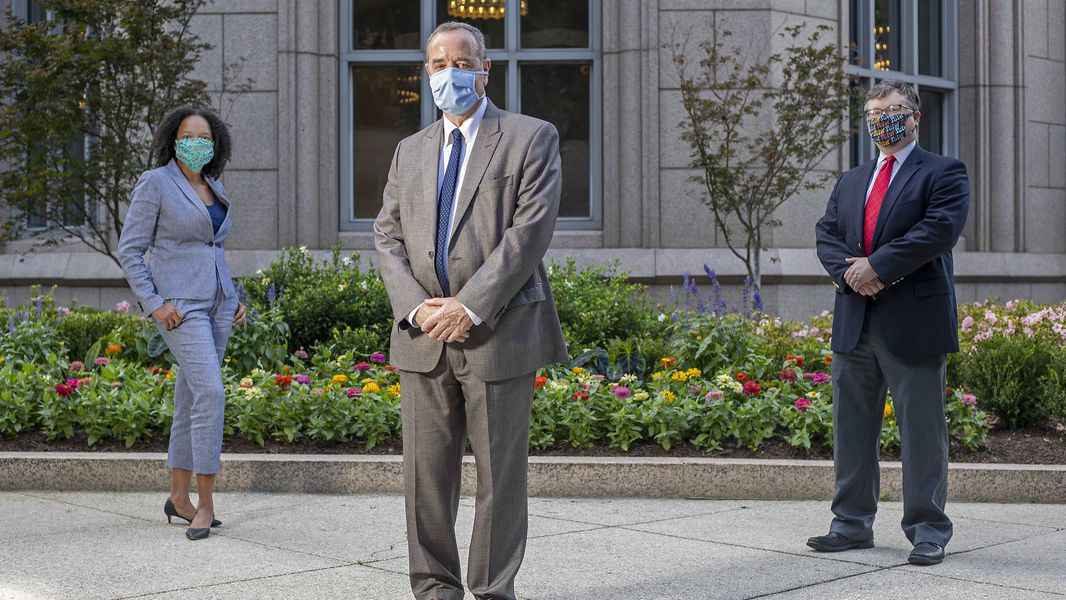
{"x": 909, "y": 168}
{"x": 190, "y": 195}
{"x": 431, "y": 144}
{"x": 857, "y": 196}
{"x": 221, "y": 197}
{"x": 488, "y": 136}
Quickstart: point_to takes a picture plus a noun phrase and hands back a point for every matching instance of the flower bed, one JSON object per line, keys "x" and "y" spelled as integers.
{"x": 701, "y": 378}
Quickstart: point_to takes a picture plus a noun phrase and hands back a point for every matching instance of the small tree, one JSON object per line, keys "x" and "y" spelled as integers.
{"x": 79, "y": 97}
{"x": 758, "y": 141}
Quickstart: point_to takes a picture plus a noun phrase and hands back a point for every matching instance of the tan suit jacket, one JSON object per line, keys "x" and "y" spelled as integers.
{"x": 505, "y": 217}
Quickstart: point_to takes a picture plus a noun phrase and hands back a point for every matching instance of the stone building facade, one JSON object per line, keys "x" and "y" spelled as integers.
{"x": 337, "y": 83}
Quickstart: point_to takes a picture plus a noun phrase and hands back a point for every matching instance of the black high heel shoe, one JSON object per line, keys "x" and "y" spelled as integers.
{"x": 197, "y": 533}
{"x": 170, "y": 511}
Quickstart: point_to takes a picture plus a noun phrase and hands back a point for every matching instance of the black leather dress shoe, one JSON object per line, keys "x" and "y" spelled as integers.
{"x": 835, "y": 542}
{"x": 926, "y": 553}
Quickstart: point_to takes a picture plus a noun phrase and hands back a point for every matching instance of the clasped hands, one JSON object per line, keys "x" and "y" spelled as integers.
{"x": 861, "y": 276}
{"x": 444, "y": 319}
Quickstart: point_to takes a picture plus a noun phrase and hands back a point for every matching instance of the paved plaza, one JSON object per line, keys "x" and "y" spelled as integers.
{"x": 82, "y": 546}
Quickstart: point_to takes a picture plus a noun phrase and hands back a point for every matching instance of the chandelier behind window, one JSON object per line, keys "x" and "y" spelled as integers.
{"x": 482, "y": 9}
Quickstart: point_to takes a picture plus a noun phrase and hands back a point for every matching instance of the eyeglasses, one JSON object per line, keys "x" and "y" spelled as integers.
{"x": 892, "y": 109}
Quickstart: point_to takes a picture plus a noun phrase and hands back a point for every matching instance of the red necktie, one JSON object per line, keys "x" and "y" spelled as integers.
{"x": 873, "y": 204}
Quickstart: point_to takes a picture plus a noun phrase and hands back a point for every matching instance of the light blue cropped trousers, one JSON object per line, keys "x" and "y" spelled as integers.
{"x": 199, "y": 344}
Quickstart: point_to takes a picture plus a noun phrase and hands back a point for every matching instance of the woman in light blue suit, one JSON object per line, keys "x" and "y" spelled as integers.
{"x": 171, "y": 249}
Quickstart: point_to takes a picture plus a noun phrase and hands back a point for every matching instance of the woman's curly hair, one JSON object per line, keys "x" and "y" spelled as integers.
{"x": 167, "y": 133}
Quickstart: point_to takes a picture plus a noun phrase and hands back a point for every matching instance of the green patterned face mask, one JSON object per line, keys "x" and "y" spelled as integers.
{"x": 194, "y": 152}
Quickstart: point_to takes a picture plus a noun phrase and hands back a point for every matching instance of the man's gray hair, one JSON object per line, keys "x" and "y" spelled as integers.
{"x": 479, "y": 38}
{"x": 886, "y": 87}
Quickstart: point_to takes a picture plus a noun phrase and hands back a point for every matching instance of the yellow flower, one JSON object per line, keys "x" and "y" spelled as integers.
{"x": 667, "y": 361}
{"x": 680, "y": 376}
{"x": 694, "y": 372}
{"x": 394, "y": 389}
{"x": 669, "y": 396}
{"x": 247, "y": 382}
{"x": 656, "y": 376}
{"x": 340, "y": 379}
{"x": 888, "y": 410}
{"x": 577, "y": 371}
{"x": 170, "y": 375}
{"x": 640, "y": 396}
{"x": 371, "y": 387}
{"x": 813, "y": 395}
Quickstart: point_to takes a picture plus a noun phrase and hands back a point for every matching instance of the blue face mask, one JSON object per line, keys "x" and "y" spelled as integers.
{"x": 454, "y": 90}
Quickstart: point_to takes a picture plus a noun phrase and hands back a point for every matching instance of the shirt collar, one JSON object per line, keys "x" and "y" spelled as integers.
{"x": 901, "y": 156}
{"x": 469, "y": 127}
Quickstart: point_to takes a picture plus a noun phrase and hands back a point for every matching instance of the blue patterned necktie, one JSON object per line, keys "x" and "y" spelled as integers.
{"x": 445, "y": 205}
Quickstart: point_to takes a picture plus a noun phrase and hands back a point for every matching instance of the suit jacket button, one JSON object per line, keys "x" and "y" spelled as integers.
{"x": 210, "y": 243}
{"x": 430, "y": 254}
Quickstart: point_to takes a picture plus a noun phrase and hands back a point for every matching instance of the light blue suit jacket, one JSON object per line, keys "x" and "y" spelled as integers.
{"x": 168, "y": 247}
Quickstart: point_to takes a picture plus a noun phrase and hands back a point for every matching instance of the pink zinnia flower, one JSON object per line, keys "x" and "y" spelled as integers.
{"x": 752, "y": 388}
{"x": 802, "y": 403}
{"x": 77, "y": 366}
{"x": 967, "y": 323}
{"x": 787, "y": 375}
{"x": 362, "y": 366}
{"x": 621, "y": 391}
{"x": 300, "y": 354}
{"x": 377, "y": 357}
{"x": 64, "y": 390}
{"x": 817, "y": 377}
{"x": 102, "y": 361}
{"x": 354, "y": 391}
{"x": 714, "y": 395}
{"x": 122, "y": 307}
{"x": 303, "y": 379}
{"x": 969, "y": 400}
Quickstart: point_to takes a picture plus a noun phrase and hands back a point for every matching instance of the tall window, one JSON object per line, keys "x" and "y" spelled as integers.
{"x": 36, "y": 217}
{"x": 545, "y": 63}
{"x": 913, "y": 41}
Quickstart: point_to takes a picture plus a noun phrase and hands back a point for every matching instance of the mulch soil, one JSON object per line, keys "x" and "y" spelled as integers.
{"x": 1040, "y": 446}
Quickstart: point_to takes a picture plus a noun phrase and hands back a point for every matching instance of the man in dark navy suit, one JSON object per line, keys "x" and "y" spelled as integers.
{"x": 886, "y": 241}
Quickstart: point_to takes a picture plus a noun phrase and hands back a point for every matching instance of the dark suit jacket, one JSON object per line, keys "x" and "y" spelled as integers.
{"x": 921, "y": 219}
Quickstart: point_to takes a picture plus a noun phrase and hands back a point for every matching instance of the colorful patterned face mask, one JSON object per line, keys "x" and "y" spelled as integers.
{"x": 194, "y": 152}
{"x": 888, "y": 129}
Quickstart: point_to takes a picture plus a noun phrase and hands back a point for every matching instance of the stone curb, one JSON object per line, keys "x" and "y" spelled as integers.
{"x": 717, "y": 478}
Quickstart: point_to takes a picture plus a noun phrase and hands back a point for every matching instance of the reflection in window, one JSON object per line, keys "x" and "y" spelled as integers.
{"x": 386, "y": 25}
{"x": 931, "y": 127}
{"x": 556, "y": 24}
{"x": 486, "y": 15}
{"x": 387, "y": 104}
{"x": 566, "y": 107}
{"x": 929, "y": 38}
{"x": 887, "y": 43}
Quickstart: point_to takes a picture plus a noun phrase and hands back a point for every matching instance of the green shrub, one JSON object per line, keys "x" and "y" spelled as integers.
{"x": 598, "y": 304}
{"x": 1018, "y": 378}
{"x": 31, "y": 341}
{"x": 261, "y": 343}
{"x": 84, "y": 327}
{"x": 360, "y": 341}
{"x": 20, "y": 387}
{"x": 315, "y": 297}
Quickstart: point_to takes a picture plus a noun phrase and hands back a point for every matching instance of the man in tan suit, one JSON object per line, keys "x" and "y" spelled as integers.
{"x": 469, "y": 211}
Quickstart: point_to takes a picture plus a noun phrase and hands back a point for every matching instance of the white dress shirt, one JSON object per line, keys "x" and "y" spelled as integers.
{"x": 469, "y": 129}
{"x": 901, "y": 157}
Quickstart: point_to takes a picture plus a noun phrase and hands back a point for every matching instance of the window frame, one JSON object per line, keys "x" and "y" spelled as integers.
{"x": 512, "y": 54}
{"x": 947, "y": 84}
